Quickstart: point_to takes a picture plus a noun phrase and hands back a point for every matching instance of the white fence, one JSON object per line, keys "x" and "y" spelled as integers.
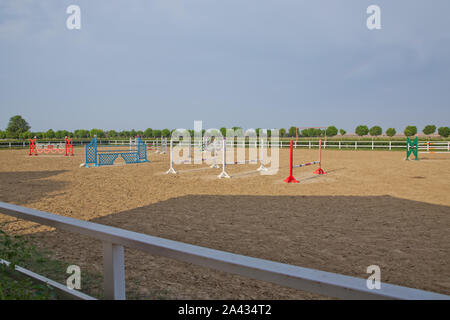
{"x": 115, "y": 239}
{"x": 428, "y": 146}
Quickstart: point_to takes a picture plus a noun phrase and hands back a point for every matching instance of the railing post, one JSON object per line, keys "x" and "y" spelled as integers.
{"x": 113, "y": 271}
{"x": 372, "y": 144}
{"x": 356, "y": 145}
{"x": 339, "y": 145}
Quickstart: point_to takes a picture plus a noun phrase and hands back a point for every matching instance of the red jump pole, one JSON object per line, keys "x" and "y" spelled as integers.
{"x": 69, "y": 146}
{"x": 320, "y": 170}
{"x": 291, "y": 178}
{"x": 32, "y": 147}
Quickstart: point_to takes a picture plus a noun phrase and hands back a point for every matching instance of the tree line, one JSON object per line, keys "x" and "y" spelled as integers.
{"x": 18, "y": 128}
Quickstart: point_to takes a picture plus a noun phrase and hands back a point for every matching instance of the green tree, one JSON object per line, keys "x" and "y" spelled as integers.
{"x": 2, "y": 134}
{"x": 375, "y": 131}
{"x": 342, "y": 132}
{"x": 165, "y": 133}
{"x": 332, "y": 131}
{"x": 81, "y": 133}
{"x": 257, "y": 130}
{"x": 111, "y": 133}
{"x": 429, "y": 129}
{"x": 50, "y": 134}
{"x": 223, "y": 131}
{"x": 292, "y": 132}
{"x": 26, "y": 135}
{"x": 444, "y": 132}
{"x": 362, "y": 130}
{"x": 124, "y": 134}
{"x": 17, "y": 125}
{"x": 60, "y": 134}
{"x": 410, "y": 131}
{"x": 148, "y": 133}
{"x": 156, "y": 133}
{"x": 38, "y": 135}
{"x": 282, "y": 132}
{"x": 390, "y": 132}
{"x": 97, "y": 132}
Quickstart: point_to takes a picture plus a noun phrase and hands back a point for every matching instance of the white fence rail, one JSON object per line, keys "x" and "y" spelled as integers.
{"x": 115, "y": 239}
{"x": 429, "y": 146}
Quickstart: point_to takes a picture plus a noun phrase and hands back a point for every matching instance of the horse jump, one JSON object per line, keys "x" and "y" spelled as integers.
{"x": 34, "y": 148}
{"x": 95, "y": 158}
{"x": 224, "y": 173}
{"x": 415, "y": 147}
{"x": 319, "y": 170}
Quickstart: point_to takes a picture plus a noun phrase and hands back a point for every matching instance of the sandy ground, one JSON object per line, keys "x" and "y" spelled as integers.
{"x": 371, "y": 208}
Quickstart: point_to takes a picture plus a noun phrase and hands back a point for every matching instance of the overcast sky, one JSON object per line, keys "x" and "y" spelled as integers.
{"x": 254, "y": 63}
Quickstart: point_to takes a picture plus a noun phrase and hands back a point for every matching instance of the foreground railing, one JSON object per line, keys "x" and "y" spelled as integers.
{"x": 115, "y": 239}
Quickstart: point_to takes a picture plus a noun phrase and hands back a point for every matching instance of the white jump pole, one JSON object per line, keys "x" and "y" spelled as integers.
{"x": 215, "y": 165}
{"x": 261, "y": 156}
{"x": 171, "y": 170}
{"x": 224, "y": 173}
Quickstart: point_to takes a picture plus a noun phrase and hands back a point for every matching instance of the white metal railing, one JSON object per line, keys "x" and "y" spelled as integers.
{"x": 336, "y": 144}
{"x": 114, "y": 240}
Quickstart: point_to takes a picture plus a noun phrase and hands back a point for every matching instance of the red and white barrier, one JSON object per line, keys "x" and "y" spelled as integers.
{"x": 319, "y": 170}
{"x": 34, "y": 148}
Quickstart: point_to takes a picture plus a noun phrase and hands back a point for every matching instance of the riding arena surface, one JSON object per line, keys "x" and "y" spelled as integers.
{"x": 372, "y": 207}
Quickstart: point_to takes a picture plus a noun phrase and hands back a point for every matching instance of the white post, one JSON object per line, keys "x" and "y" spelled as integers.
{"x": 113, "y": 271}
{"x": 224, "y": 173}
{"x": 171, "y": 169}
{"x": 448, "y": 146}
{"x": 372, "y": 144}
{"x": 215, "y": 165}
{"x": 339, "y": 145}
{"x": 261, "y": 156}
{"x": 310, "y": 144}
{"x": 356, "y": 145}
{"x": 390, "y": 145}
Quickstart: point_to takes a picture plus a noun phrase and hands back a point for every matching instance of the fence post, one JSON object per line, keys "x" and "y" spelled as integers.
{"x": 113, "y": 271}
{"x": 448, "y": 146}
{"x": 356, "y": 145}
{"x": 390, "y": 145}
{"x": 310, "y": 144}
{"x": 339, "y": 145}
{"x": 372, "y": 144}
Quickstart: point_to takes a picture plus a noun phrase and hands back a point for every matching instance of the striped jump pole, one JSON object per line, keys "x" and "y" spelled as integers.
{"x": 319, "y": 170}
